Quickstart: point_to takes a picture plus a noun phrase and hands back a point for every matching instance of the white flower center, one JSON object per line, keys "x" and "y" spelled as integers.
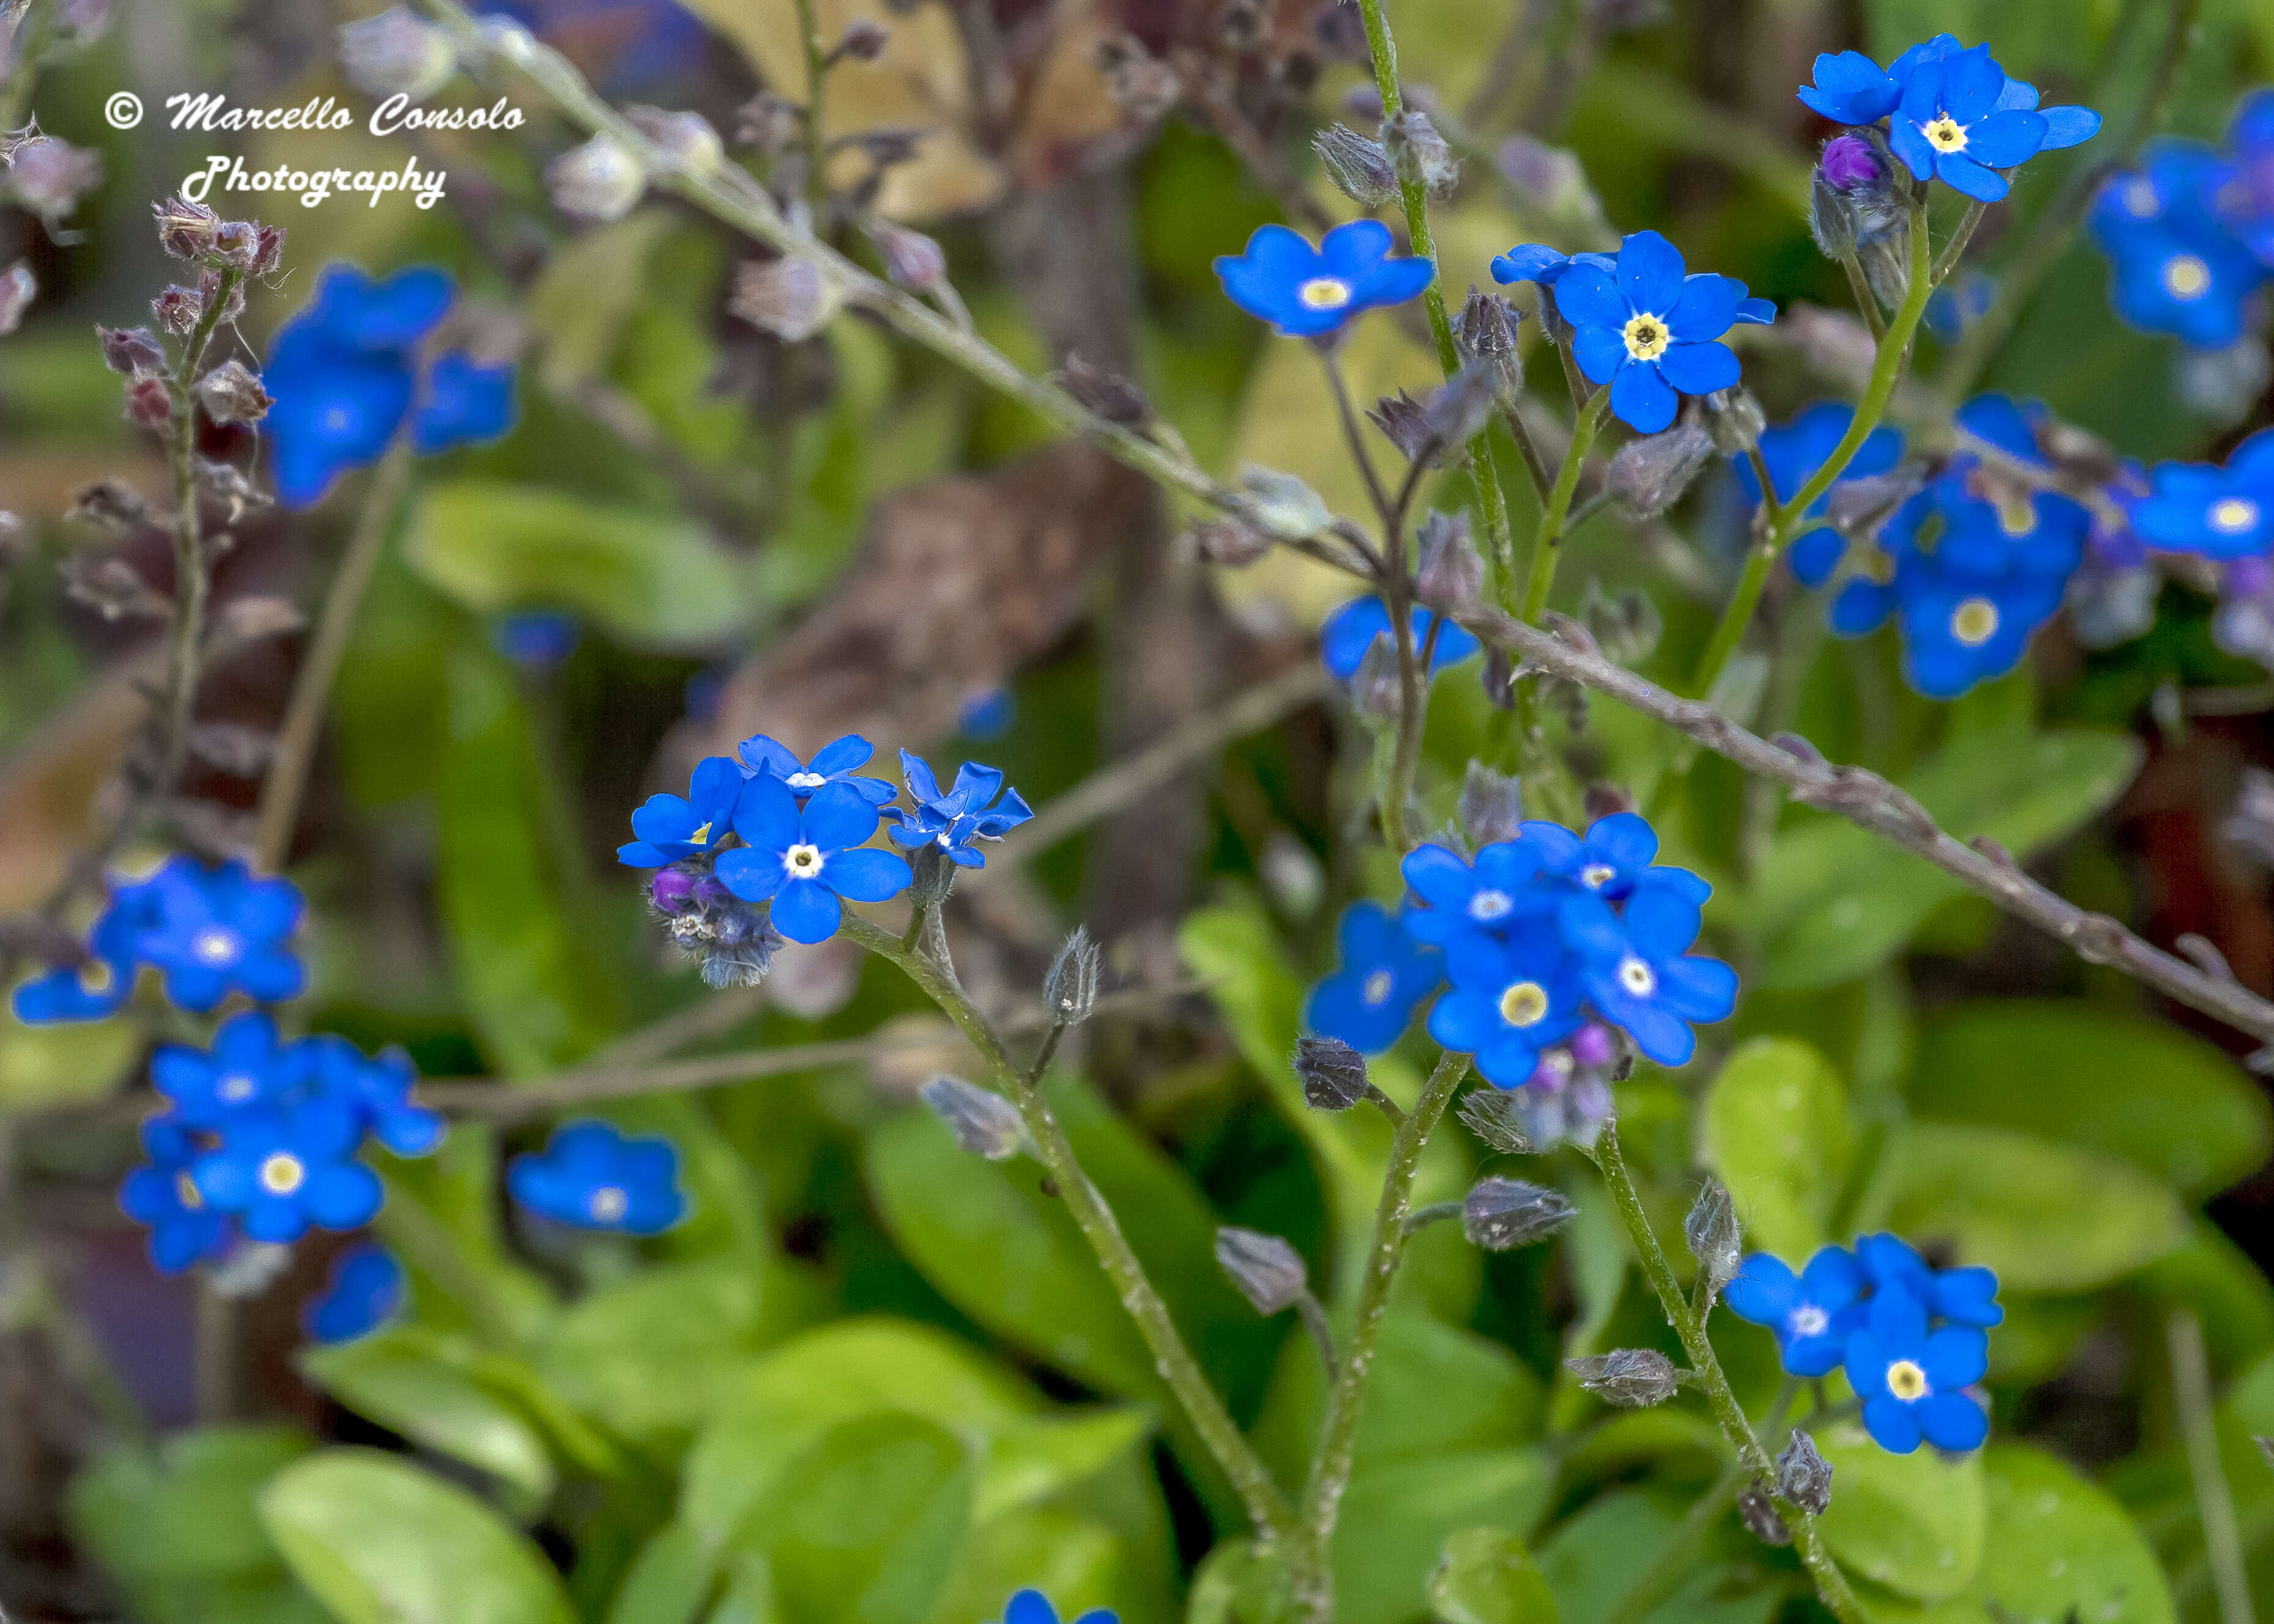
{"x": 186, "y": 1191}
{"x": 802, "y": 861}
{"x": 282, "y": 1173}
{"x": 1647, "y": 337}
{"x": 1907, "y": 1381}
{"x": 1808, "y": 1321}
{"x": 1378, "y": 988}
{"x": 235, "y": 1088}
{"x": 1594, "y": 876}
{"x": 1944, "y": 134}
{"x": 609, "y": 1204}
{"x": 2233, "y": 516}
{"x": 1490, "y": 905}
{"x": 215, "y": 946}
{"x": 805, "y": 780}
{"x": 2140, "y": 200}
{"x": 2186, "y": 277}
{"x": 1324, "y": 293}
{"x": 1638, "y": 977}
{"x": 1974, "y": 623}
{"x": 1525, "y": 1004}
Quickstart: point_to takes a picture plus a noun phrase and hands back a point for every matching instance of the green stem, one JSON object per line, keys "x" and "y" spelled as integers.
{"x": 1330, "y": 1471}
{"x": 2223, "y": 1550}
{"x": 1867, "y": 303}
{"x": 1266, "y": 1505}
{"x": 1886, "y": 371}
{"x": 817, "y": 102}
{"x": 1547, "y": 542}
{"x": 1831, "y": 1584}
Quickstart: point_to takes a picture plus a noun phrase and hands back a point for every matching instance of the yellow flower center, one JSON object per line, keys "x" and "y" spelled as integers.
{"x": 2233, "y": 516}
{"x": 699, "y": 835}
{"x": 609, "y": 1205}
{"x": 1647, "y": 337}
{"x": 1907, "y": 1381}
{"x": 1944, "y": 134}
{"x": 801, "y": 863}
{"x": 185, "y": 1190}
{"x": 214, "y": 946}
{"x": 1378, "y": 988}
{"x": 1974, "y": 623}
{"x": 1324, "y": 293}
{"x": 282, "y": 1173}
{"x": 2186, "y": 277}
{"x": 1523, "y": 1004}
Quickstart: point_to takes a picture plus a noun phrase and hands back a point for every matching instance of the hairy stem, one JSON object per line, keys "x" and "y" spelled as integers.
{"x": 1548, "y": 541}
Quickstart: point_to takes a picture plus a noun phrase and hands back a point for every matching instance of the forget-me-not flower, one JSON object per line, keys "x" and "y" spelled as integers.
{"x": 2180, "y": 265}
{"x": 1496, "y": 893}
{"x": 377, "y": 1087}
{"x": 281, "y": 1170}
{"x": 185, "y": 1228}
{"x": 837, "y": 762}
{"x": 1912, "y": 1380}
{"x": 247, "y": 1068}
{"x": 1811, "y": 1312}
{"x": 1369, "y": 1001}
{"x": 1308, "y": 292}
{"x": 593, "y": 1177}
{"x": 1951, "y": 126}
{"x": 1965, "y": 1296}
{"x": 1637, "y": 968}
{"x": 1650, "y": 331}
{"x": 1032, "y": 1607}
{"x": 803, "y": 859}
{"x": 1350, "y": 630}
{"x": 1510, "y": 1000}
{"x": 978, "y": 808}
{"x": 363, "y": 1292}
{"x": 215, "y": 931}
{"x": 2220, "y": 512}
{"x": 673, "y": 827}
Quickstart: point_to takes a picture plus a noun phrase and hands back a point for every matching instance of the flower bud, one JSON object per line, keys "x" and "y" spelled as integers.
{"x": 1760, "y": 1517}
{"x": 863, "y": 40}
{"x": 110, "y": 502}
{"x": 1232, "y": 543}
{"x": 984, "y": 1123}
{"x": 132, "y": 350}
{"x": 17, "y": 289}
{"x": 772, "y": 123}
{"x": 1417, "y": 153}
{"x": 112, "y": 587}
{"x": 1804, "y": 1477}
{"x": 1502, "y": 1213}
{"x": 230, "y": 393}
{"x": 1376, "y": 689}
{"x": 1492, "y": 805}
{"x": 1887, "y": 259}
{"x": 1649, "y": 474}
{"x": 1107, "y": 395}
{"x": 1452, "y": 571}
{"x": 601, "y": 180}
{"x": 1145, "y": 87}
{"x": 1735, "y": 419}
{"x": 1403, "y": 424}
{"x": 228, "y": 482}
{"x": 1333, "y": 1074}
{"x": 1494, "y": 1116}
{"x": 1455, "y": 411}
{"x": 789, "y": 298}
{"x": 1269, "y": 1272}
{"x": 1360, "y": 168}
{"x": 148, "y": 403}
{"x": 1830, "y": 218}
{"x": 1070, "y": 985}
{"x": 687, "y": 139}
{"x": 911, "y": 259}
{"x": 396, "y": 53}
{"x": 49, "y": 177}
{"x": 1711, "y": 1230}
{"x": 935, "y": 875}
{"x": 177, "y": 310}
{"x": 1485, "y": 326}
{"x": 1283, "y": 504}
{"x": 236, "y": 244}
{"x": 1631, "y": 1378}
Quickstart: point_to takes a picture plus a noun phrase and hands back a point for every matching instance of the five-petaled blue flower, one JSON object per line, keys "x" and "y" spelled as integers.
{"x": 1350, "y": 630}
{"x": 803, "y": 859}
{"x": 2221, "y": 513}
{"x": 1811, "y": 1312}
{"x": 114, "y": 947}
{"x": 1306, "y": 292}
{"x": 1510, "y": 1000}
{"x": 1649, "y": 330}
{"x": 671, "y": 829}
{"x": 591, "y": 1176}
{"x": 377, "y": 1087}
{"x": 464, "y": 404}
{"x": 1617, "y": 850}
{"x": 363, "y": 1291}
{"x": 972, "y": 811}
{"x": 246, "y": 1069}
{"x": 220, "y": 930}
{"x": 1971, "y": 605}
{"x": 834, "y": 763}
{"x": 2182, "y": 264}
{"x": 1369, "y": 1002}
{"x": 185, "y": 1228}
{"x": 1913, "y": 1381}
{"x": 1496, "y": 894}
{"x": 1952, "y": 126}
{"x": 281, "y": 1170}
{"x": 1794, "y": 451}
{"x": 1851, "y": 89}
{"x": 1967, "y": 1296}
{"x": 1033, "y": 1608}
{"x": 1637, "y": 968}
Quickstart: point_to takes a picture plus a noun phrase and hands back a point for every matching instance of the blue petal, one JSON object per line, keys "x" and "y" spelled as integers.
{"x": 1763, "y": 1290}
{"x": 1351, "y": 251}
{"x": 1527, "y": 262}
{"x": 766, "y": 815}
{"x": 1952, "y": 1422}
{"x": 1963, "y": 175}
{"x": 806, "y": 911}
{"x": 1650, "y": 272}
{"x": 1587, "y": 296}
{"x": 751, "y": 875}
{"x": 839, "y": 816}
{"x": 1641, "y": 400}
{"x": 1029, "y": 1607}
{"x": 868, "y": 875}
{"x": 1600, "y": 352}
{"x": 1891, "y": 1422}
{"x": 2004, "y": 140}
{"x": 1756, "y": 313}
{"x": 1911, "y": 145}
{"x": 1395, "y": 280}
{"x": 2069, "y": 127}
{"x": 1972, "y": 83}
{"x": 1700, "y": 369}
{"x": 1707, "y": 306}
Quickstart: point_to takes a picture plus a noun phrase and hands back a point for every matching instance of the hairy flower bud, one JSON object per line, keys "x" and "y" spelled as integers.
{"x": 112, "y": 587}
{"x": 1232, "y": 543}
{"x": 1283, "y": 504}
{"x": 1333, "y": 1074}
{"x": 983, "y": 1123}
{"x": 236, "y": 244}
{"x": 1492, "y": 805}
{"x": 1803, "y": 1476}
{"x": 1486, "y": 324}
{"x": 396, "y": 53}
{"x": 789, "y": 298}
{"x": 772, "y": 123}
{"x": 1760, "y": 1517}
{"x": 1711, "y": 1230}
{"x": 1452, "y": 571}
{"x": 17, "y": 289}
{"x": 1502, "y": 1214}
{"x": 1360, "y": 168}
{"x": 1735, "y": 419}
{"x": 601, "y": 180}
{"x": 49, "y": 177}
{"x": 911, "y": 259}
{"x": 185, "y": 230}
{"x": 1455, "y": 411}
{"x": 1403, "y": 424}
{"x": 1107, "y": 395}
{"x": 231, "y": 394}
{"x": 148, "y": 403}
{"x": 1376, "y": 689}
{"x": 1070, "y": 985}
{"x": 1630, "y": 1378}
{"x": 132, "y": 350}
{"x": 1494, "y": 1116}
{"x": 687, "y": 139}
{"x": 110, "y": 502}
{"x": 1269, "y": 1272}
{"x": 1418, "y": 152}
{"x": 1649, "y": 474}
{"x": 210, "y": 285}
{"x": 177, "y": 310}
{"x": 865, "y": 40}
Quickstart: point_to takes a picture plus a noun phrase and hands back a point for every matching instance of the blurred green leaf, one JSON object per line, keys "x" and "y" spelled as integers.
{"x": 2132, "y": 1087}
{"x": 1596, "y": 1558}
{"x": 1776, "y": 1128}
{"x": 1240, "y": 1582}
{"x": 1073, "y": 1560}
{"x": 651, "y": 1354}
{"x": 50, "y": 1066}
{"x": 590, "y": 286}
{"x": 1916, "y": 1523}
{"x": 2047, "y": 1217}
{"x": 1486, "y": 1576}
{"x": 2059, "y": 1546}
{"x": 381, "y": 1542}
{"x": 668, "y": 1582}
{"x": 398, "y": 1377}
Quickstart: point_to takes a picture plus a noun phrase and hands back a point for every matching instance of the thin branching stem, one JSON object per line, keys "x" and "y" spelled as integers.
{"x": 2222, "y": 1548}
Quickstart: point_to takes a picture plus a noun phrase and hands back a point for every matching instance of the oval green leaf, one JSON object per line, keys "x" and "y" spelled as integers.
{"x": 1916, "y": 1523}
{"x": 1486, "y": 1576}
{"x": 1777, "y": 1130}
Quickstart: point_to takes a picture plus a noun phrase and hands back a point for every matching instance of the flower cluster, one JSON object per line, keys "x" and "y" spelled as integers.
{"x": 1912, "y": 1338}
{"x": 1950, "y": 113}
{"x": 346, "y": 374}
{"x": 1531, "y": 937}
{"x": 590, "y": 1176}
{"x": 208, "y": 931}
{"x": 2189, "y": 234}
{"x": 259, "y": 1139}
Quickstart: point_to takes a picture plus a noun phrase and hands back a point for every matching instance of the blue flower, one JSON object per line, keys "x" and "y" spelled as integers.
{"x": 671, "y": 829}
{"x": 1952, "y": 126}
{"x": 2179, "y": 266}
{"x": 1967, "y": 1297}
{"x": 1913, "y": 1381}
{"x": 2247, "y": 205}
{"x": 1650, "y": 331}
{"x": 2221, "y": 513}
{"x": 464, "y": 403}
{"x": 1510, "y": 1000}
{"x": 1369, "y": 1002}
{"x": 988, "y": 715}
{"x": 185, "y": 1226}
{"x": 1851, "y": 89}
{"x": 1500, "y": 892}
{"x": 952, "y": 821}
{"x": 1971, "y": 605}
{"x": 833, "y": 763}
{"x": 113, "y": 947}
{"x": 1811, "y": 1312}
{"x": 1794, "y": 452}
{"x": 1033, "y": 1608}
{"x": 537, "y": 639}
{"x": 363, "y": 1291}
{"x": 247, "y": 1069}
{"x": 1617, "y": 851}
{"x": 593, "y": 1177}
{"x": 378, "y": 1089}
{"x": 1305, "y": 291}
{"x": 803, "y": 860}
{"x": 1537, "y": 262}
{"x": 2008, "y": 426}
{"x": 281, "y": 1170}
{"x": 220, "y": 930}
{"x": 1637, "y": 968}
{"x": 1349, "y": 631}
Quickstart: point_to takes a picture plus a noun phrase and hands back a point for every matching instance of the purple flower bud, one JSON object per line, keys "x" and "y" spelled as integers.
{"x": 671, "y": 890}
{"x": 232, "y": 393}
{"x": 177, "y": 309}
{"x": 1593, "y": 1045}
{"x": 131, "y": 351}
{"x": 1849, "y": 164}
{"x": 148, "y": 404}
{"x": 185, "y": 230}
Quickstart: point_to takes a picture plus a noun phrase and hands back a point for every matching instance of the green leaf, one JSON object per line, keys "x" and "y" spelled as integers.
{"x": 2171, "y": 1103}
{"x": 653, "y": 579}
{"x": 669, "y": 1580}
{"x": 398, "y": 1377}
{"x": 1486, "y": 1576}
{"x": 64, "y": 1064}
{"x": 1073, "y": 1560}
{"x": 381, "y": 1542}
{"x": 1596, "y": 1558}
{"x": 1916, "y": 1523}
{"x": 589, "y": 289}
{"x": 2047, "y": 1217}
{"x": 1241, "y": 1582}
{"x": 1397, "y": 1515}
{"x": 1836, "y": 900}
{"x": 651, "y": 1354}
{"x": 2059, "y": 1547}
{"x": 1777, "y": 1130}
{"x": 864, "y": 1526}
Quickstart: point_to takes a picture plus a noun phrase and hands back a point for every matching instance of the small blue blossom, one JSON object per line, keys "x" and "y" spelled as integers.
{"x": 834, "y": 763}
{"x": 1616, "y": 850}
{"x": 1650, "y": 331}
{"x": 1033, "y": 1608}
{"x": 803, "y": 859}
{"x": 1913, "y": 1381}
{"x": 2218, "y": 512}
{"x": 1637, "y": 968}
{"x": 1971, "y": 605}
{"x": 247, "y": 1069}
{"x": 464, "y": 404}
{"x": 113, "y": 948}
{"x": 1510, "y": 1000}
{"x": 1967, "y": 1296}
{"x": 1811, "y": 1312}
{"x": 1794, "y": 451}
{"x": 1496, "y": 894}
{"x": 377, "y": 1088}
{"x": 221, "y": 930}
{"x": 972, "y": 811}
{"x": 2180, "y": 265}
{"x": 673, "y": 828}
{"x": 537, "y": 639}
{"x": 2247, "y": 204}
{"x": 185, "y": 1228}
{"x": 363, "y": 1291}
{"x": 1369, "y": 1002}
{"x": 1851, "y": 89}
{"x": 1350, "y": 630}
{"x": 281, "y": 1170}
{"x": 591, "y": 1176}
{"x": 1307, "y": 292}
{"x": 1952, "y": 126}
{"x": 1537, "y": 262}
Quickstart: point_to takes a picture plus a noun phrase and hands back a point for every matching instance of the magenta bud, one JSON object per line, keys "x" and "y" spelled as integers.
{"x": 671, "y": 890}
{"x": 1591, "y": 1045}
{"x": 1851, "y": 164}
